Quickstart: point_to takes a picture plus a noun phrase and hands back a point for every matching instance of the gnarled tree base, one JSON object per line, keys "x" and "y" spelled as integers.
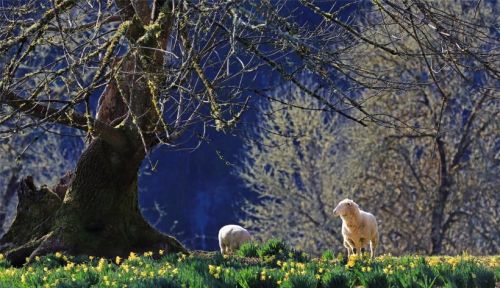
{"x": 98, "y": 214}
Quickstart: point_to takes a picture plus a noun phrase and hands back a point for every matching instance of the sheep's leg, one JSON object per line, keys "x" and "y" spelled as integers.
{"x": 361, "y": 246}
{"x": 349, "y": 248}
{"x": 358, "y": 251}
{"x": 221, "y": 243}
{"x": 223, "y": 249}
{"x": 221, "y": 246}
{"x": 373, "y": 246}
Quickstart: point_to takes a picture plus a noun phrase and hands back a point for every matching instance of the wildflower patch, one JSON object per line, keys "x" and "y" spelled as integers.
{"x": 272, "y": 264}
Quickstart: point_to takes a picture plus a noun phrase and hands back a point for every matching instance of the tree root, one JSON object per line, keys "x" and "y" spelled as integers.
{"x": 18, "y": 255}
{"x": 44, "y": 224}
{"x": 53, "y": 242}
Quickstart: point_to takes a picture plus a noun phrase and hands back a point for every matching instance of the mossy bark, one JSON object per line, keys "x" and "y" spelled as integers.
{"x": 35, "y": 213}
{"x": 98, "y": 216}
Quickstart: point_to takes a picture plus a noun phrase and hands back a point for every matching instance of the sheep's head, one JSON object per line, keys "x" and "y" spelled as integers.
{"x": 346, "y": 207}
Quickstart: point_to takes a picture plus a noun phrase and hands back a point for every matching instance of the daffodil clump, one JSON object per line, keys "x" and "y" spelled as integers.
{"x": 264, "y": 270}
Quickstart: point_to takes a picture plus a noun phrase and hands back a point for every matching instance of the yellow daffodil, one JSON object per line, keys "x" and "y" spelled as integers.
{"x": 132, "y": 256}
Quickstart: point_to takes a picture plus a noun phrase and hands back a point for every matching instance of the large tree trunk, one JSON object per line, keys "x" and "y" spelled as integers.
{"x": 99, "y": 214}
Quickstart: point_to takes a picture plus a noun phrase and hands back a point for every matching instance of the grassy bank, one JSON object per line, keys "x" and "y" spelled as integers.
{"x": 272, "y": 264}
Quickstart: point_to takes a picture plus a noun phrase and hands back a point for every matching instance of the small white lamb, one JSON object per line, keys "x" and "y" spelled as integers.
{"x": 231, "y": 237}
{"x": 358, "y": 227}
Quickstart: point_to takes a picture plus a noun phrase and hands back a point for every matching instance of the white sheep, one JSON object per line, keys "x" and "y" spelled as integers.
{"x": 231, "y": 237}
{"x": 358, "y": 227}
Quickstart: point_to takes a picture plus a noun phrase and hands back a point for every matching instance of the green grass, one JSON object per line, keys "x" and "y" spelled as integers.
{"x": 272, "y": 264}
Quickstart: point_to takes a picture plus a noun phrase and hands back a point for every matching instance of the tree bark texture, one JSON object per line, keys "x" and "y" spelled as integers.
{"x": 98, "y": 215}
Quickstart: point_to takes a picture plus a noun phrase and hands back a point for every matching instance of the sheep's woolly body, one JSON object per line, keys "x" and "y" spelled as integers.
{"x": 359, "y": 228}
{"x": 231, "y": 237}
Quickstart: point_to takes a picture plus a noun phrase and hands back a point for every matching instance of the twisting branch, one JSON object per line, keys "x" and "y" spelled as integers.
{"x": 334, "y": 19}
{"x": 47, "y": 17}
{"x": 65, "y": 116}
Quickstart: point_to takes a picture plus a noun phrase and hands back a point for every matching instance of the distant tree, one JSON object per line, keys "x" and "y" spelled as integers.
{"x": 292, "y": 163}
{"x": 427, "y": 164}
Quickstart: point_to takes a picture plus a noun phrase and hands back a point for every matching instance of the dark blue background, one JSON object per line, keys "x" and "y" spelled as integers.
{"x": 200, "y": 190}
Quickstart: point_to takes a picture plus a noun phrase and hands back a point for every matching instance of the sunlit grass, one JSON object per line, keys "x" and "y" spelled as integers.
{"x": 276, "y": 266}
